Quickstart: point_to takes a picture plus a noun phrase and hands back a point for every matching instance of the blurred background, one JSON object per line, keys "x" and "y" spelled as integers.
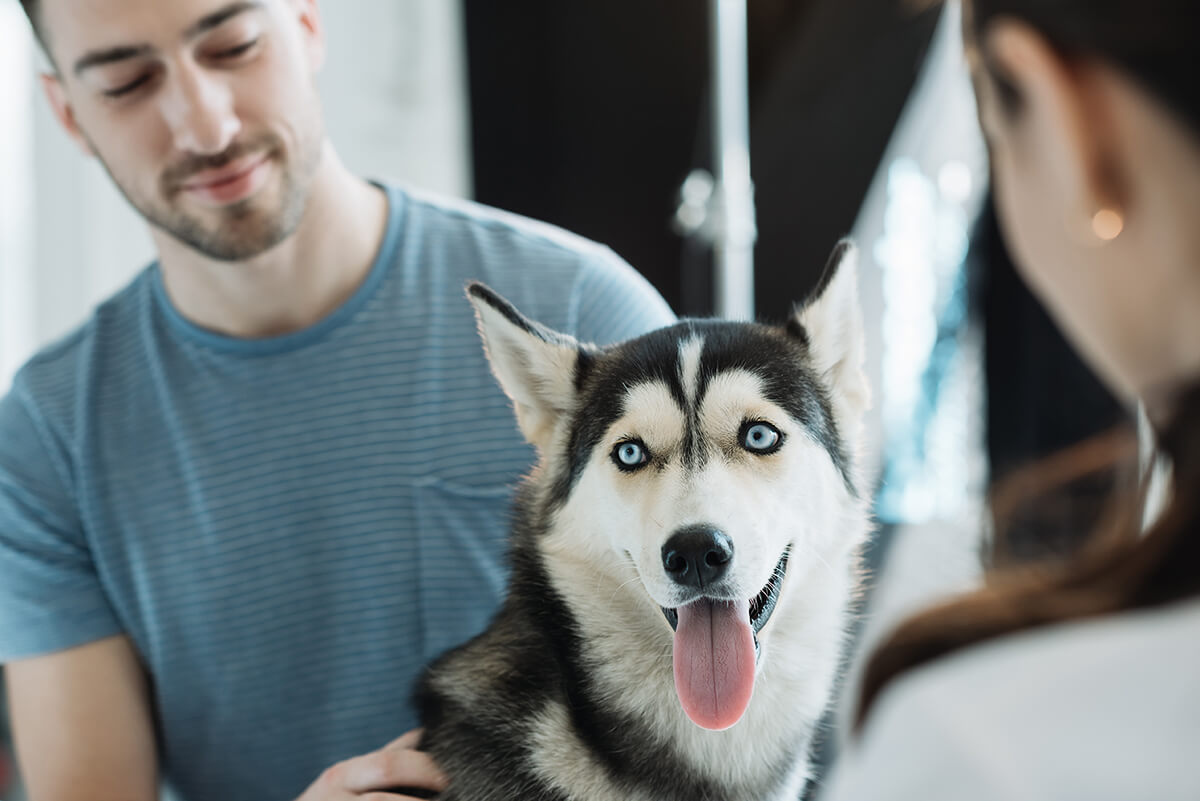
{"x": 591, "y": 114}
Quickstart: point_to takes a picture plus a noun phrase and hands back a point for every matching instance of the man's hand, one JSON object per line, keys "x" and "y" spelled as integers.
{"x": 370, "y": 776}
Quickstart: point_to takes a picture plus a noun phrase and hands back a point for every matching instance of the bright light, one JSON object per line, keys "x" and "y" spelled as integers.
{"x": 954, "y": 181}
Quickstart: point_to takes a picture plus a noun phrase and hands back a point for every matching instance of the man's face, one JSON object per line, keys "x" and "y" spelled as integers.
{"x": 204, "y": 112}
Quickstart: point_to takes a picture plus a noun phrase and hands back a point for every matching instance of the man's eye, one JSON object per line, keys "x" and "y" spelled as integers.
{"x": 240, "y": 50}
{"x": 125, "y": 89}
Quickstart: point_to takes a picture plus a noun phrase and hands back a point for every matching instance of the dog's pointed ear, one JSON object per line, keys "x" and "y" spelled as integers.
{"x": 831, "y": 322}
{"x": 535, "y": 366}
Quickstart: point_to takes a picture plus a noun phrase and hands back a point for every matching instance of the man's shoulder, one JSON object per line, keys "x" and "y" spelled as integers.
{"x": 459, "y": 217}
{"x": 53, "y": 376}
{"x": 554, "y": 276}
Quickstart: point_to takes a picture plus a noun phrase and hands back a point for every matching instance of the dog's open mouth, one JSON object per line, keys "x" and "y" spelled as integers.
{"x": 761, "y": 605}
{"x": 716, "y": 651}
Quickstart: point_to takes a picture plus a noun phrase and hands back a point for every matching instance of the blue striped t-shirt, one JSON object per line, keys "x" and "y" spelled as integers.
{"x": 287, "y": 528}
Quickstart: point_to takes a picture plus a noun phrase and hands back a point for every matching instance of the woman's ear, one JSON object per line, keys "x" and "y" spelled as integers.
{"x": 1049, "y": 114}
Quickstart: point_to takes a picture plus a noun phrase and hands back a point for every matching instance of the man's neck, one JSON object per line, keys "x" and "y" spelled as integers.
{"x": 296, "y": 283}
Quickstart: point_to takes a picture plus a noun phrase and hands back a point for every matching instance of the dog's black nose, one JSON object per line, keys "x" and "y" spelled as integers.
{"x": 697, "y": 556}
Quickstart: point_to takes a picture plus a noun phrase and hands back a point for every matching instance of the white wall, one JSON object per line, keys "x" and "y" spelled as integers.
{"x": 87, "y": 241}
{"x": 394, "y": 90}
{"x": 17, "y": 328}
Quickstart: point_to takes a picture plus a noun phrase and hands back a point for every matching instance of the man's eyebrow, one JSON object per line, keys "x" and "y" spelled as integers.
{"x": 216, "y": 18}
{"x": 98, "y": 58}
{"x": 111, "y": 55}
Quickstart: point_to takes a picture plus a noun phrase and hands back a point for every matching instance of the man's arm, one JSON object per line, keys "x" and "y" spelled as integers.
{"x": 82, "y": 724}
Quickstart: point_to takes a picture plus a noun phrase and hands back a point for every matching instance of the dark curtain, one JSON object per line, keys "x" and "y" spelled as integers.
{"x": 590, "y": 114}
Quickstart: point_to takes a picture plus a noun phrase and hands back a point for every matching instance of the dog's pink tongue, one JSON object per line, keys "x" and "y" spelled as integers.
{"x": 714, "y": 662}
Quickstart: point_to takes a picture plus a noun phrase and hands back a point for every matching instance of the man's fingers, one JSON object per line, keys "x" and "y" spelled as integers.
{"x": 391, "y": 767}
{"x": 410, "y": 739}
{"x": 395, "y": 767}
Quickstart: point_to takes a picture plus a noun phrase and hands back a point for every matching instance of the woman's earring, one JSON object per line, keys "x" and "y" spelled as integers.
{"x": 1107, "y": 224}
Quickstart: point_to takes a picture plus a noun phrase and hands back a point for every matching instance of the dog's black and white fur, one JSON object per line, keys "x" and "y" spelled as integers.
{"x": 738, "y": 434}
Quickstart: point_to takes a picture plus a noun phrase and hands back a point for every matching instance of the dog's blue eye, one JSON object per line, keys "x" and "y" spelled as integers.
{"x": 630, "y": 455}
{"x": 761, "y": 437}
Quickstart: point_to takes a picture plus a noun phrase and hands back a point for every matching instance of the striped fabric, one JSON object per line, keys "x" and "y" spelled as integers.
{"x": 288, "y": 529}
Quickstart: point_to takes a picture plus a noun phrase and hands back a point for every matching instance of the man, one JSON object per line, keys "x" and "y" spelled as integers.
{"x": 266, "y": 482}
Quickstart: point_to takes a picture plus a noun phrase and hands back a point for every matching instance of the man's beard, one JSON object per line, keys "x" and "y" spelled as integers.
{"x": 247, "y": 228}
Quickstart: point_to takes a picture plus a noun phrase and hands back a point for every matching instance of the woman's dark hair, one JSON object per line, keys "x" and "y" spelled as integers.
{"x": 1153, "y": 41}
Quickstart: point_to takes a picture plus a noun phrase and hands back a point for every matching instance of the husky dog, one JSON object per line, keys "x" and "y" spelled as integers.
{"x": 683, "y": 557}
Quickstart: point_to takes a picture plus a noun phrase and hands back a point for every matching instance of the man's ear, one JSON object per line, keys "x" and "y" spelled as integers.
{"x": 831, "y": 322}
{"x": 56, "y": 94}
{"x": 312, "y": 28}
{"x": 535, "y": 366}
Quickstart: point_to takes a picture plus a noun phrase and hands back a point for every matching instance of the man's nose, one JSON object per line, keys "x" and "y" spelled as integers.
{"x": 199, "y": 111}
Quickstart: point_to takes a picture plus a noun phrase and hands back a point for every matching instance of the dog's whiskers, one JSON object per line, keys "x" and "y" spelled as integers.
{"x": 817, "y": 554}
{"x": 633, "y": 566}
{"x": 620, "y": 587}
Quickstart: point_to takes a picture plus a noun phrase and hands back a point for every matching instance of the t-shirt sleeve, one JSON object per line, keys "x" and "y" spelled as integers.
{"x": 611, "y": 301}
{"x": 50, "y": 595}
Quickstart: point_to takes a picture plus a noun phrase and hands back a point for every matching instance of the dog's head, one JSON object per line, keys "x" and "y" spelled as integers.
{"x": 713, "y": 461}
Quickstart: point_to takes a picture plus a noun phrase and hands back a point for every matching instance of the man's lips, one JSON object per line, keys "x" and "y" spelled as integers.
{"x": 208, "y": 179}
{"x": 232, "y": 182}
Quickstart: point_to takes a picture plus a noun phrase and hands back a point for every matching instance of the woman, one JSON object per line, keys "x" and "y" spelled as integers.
{"x": 1084, "y": 683}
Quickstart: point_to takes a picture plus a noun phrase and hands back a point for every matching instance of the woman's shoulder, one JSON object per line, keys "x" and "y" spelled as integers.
{"x": 1103, "y": 708}
{"x": 1138, "y": 651}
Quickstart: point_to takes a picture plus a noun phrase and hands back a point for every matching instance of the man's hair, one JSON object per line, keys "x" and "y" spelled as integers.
{"x": 31, "y": 9}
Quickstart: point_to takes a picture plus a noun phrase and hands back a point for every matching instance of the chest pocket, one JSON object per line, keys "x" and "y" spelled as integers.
{"x": 462, "y": 553}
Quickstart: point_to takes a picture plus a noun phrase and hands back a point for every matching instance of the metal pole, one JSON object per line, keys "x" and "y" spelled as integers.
{"x": 733, "y": 197}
